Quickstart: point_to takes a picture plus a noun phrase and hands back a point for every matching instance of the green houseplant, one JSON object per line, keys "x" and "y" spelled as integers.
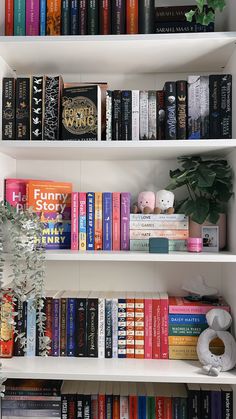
{"x": 204, "y": 15}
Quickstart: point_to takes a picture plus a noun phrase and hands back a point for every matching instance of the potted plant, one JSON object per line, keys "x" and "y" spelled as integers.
{"x": 209, "y": 185}
{"x": 205, "y": 15}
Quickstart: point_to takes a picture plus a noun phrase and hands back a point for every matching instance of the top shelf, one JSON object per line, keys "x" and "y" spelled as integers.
{"x": 205, "y": 52}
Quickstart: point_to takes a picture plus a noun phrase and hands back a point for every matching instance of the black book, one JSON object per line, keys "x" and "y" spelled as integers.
{"x": 194, "y": 401}
{"x": 126, "y": 115}
{"x": 63, "y": 320}
{"x": 227, "y": 401}
{"x": 118, "y": 11}
{"x": 182, "y": 27}
{"x": 116, "y": 115}
{"x": 52, "y": 101}
{"x": 23, "y": 109}
{"x": 87, "y": 407}
{"x": 81, "y": 319}
{"x": 64, "y": 407}
{"x": 65, "y": 17}
{"x": 39, "y": 335}
{"x": 21, "y": 321}
{"x": 93, "y": 27}
{"x": 92, "y": 328}
{"x": 146, "y": 11}
{"x": 109, "y": 406}
{"x": 226, "y": 106}
{"x": 108, "y": 329}
{"x": 181, "y": 94}
{"x": 80, "y": 406}
{"x": 205, "y": 402}
{"x": 74, "y": 20}
{"x": 37, "y": 88}
{"x": 8, "y": 108}
{"x": 215, "y": 106}
{"x": 170, "y": 108}
{"x": 161, "y": 115}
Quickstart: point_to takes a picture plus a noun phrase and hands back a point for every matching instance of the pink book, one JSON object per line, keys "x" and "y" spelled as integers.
{"x": 179, "y": 305}
{"x": 125, "y": 221}
{"x": 15, "y": 193}
{"x": 148, "y": 328}
{"x": 156, "y": 325}
{"x": 116, "y": 221}
{"x": 82, "y": 221}
{"x": 74, "y": 221}
{"x": 32, "y": 17}
{"x": 164, "y": 325}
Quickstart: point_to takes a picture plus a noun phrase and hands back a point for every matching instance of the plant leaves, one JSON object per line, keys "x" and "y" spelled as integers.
{"x": 206, "y": 176}
{"x": 200, "y": 5}
{"x": 201, "y": 211}
{"x": 189, "y": 15}
{"x": 217, "y": 4}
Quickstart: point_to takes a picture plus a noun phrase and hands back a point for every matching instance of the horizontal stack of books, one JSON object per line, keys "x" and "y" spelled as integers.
{"x": 187, "y": 320}
{"x": 171, "y": 226}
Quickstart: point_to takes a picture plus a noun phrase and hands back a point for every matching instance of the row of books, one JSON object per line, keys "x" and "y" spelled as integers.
{"x": 78, "y": 17}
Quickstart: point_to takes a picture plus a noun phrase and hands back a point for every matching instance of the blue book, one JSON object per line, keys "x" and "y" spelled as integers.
{"x": 43, "y": 17}
{"x": 65, "y": 17}
{"x": 107, "y": 220}
{"x": 141, "y": 407}
{"x": 187, "y": 319}
{"x": 70, "y": 327}
{"x": 90, "y": 220}
{"x": 55, "y": 327}
{"x": 176, "y": 408}
{"x": 74, "y": 22}
{"x": 19, "y": 17}
{"x": 109, "y": 406}
{"x": 31, "y": 329}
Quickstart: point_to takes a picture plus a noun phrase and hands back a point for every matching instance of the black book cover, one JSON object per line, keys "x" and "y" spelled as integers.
{"x": 21, "y": 319}
{"x": 118, "y": 23}
{"x": 74, "y": 20}
{"x": 63, "y": 338}
{"x": 170, "y": 108}
{"x": 194, "y": 401}
{"x": 116, "y": 115}
{"x": 93, "y": 17}
{"x": 226, "y": 106}
{"x": 182, "y": 27}
{"x": 126, "y": 115}
{"x": 205, "y": 403}
{"x": 92, "y": 327}
{"x": 108, "y": 329}
{"x": 64, "y": 406}
{"x": 227, "y": 401}
{"x": 81, "y": 319}
{"x": 87, "y": 407}
{"x": 23, "y": 109}
{"x": 174, "y": 13}
{"x": 146, "y": 13}
{"x": 65, "y": 17}
{"x": 8, "y": 108}
{"x": 37, "y": 86}
{"x": 161, "y": 115}
{"x": 80, "y": 406}
{"x": 52, "y": 108}
{"x": 214, "y": 104}
{"x": 83, "y": 17}
{"x": 72, "y": 405}
{"x": 109, "y": 406}
{"x": 181, "y": 90}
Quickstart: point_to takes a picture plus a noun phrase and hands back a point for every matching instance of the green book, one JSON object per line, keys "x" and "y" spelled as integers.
{"x": 186, "y": 330}
{"x": 19, "y": 17}
{"x": 151, "y": 408}
{"x": 183, "y": 408}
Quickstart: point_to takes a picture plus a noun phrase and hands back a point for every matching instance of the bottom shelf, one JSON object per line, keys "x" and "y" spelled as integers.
{"x": 159, "y": 371}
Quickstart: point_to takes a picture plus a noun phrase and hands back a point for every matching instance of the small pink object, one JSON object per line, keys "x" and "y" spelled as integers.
{"x": 194, "y": 244}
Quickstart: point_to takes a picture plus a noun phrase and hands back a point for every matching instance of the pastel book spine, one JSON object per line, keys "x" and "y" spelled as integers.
{"x": 181, "y": 95}
{"x": 164, "y": 325}
{"x": 19, "y": 17}
{"x": 93, "y": 17}
{"x": 81, "y": 319}
{"x": 139, "y": 328}
{"x": 170, "y": 106}
{"x": 132, "y": 17}
{"x": 159, "y": 225}
{"x": 74, "y": 20}
{"x": 116, "y": 221}
{"x": 183, "y": 352}
{"x": 158, "y": 217}
{"x": 31, "y": 329}
{"x": 92, "y": 328}
{"x": 43, "y": 18}
{"x": 126, "y": 113}
{"x": 101, "y": 328}
{"x": 65, "y": 17}
{"x": 190, "y": 319}
{"x": 48, "y": 322}
{"x": 52, "y": 108}
{"x": 9, "y": 17}
{"x": 55, "y": 327}
{"x": 108, "y": 115}
{"x": 32, "y": 17}
{"x": 74, "y": 221}
{"x": 82, "y": 221}
{"x": 37, "y": 91}
{"x": 161, "y": 115}
{"x": 23, "y": 108}
{"x": 214, "y": 91}
{"x": 130, "y": 322}
{"x": 108, "y": 329}
{"x": 183, "y": 340}
{"x": 194, "y": 108}
{"x": 71, "y": 326}
{"x": 116, "y": 115}
{"x": 226, "y": 106}
{"x": 83, "y": 17}
{"x": 143, "y": 115}
{"x": 186, "y": 330}
{"x": 139, "y": 245}
{"x": 98, "y": 221}
{"x": 152, "y": 115}
{"x": 63, "y": 323}
{"x": 178, "y": 305}
{"x": 107, "y": 221}
{"x": 6, "y": 329}
{"x": 148, "y": 327}
{"x": 105, "y": 17}
{"x": 8, "y": 108}
{"x": 114, "y": 328}
{"x": 122, "y": 328}
{"x": 204, "y": 105}
{"x": 169, "y": 234}
{"x": 135, "y": 115}
{"x": 125, "y": 221}
{"x": 146, "y": 16}
{"x": 54, "y": 17}
{"x": 90, "y": 220}
{"x": 227, "y": 401}
{"x": 124, "y": 407}
{"x": 118, "y": 17}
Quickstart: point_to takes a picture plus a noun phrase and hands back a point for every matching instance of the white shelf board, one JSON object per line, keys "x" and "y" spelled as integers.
{"x": 110, "y": 370}
{"x": 113, "y": 150}
{"x": 122, "y": 256}
{"x": 118, "y": 53}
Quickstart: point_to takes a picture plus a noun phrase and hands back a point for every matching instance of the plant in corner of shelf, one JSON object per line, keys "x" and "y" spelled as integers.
{"x": 205, "y": 15}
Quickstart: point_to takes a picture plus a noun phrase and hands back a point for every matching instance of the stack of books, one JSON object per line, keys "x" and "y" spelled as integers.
{"x": 187, "y": 320}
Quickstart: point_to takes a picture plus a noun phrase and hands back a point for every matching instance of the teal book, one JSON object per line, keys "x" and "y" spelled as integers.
{"x": 19, "y": 17}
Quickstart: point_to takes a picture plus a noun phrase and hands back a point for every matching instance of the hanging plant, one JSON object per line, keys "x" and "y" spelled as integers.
{"x": 205, "y": 11}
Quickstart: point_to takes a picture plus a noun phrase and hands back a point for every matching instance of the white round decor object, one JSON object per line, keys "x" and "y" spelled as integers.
{"x": 218, "y": 319}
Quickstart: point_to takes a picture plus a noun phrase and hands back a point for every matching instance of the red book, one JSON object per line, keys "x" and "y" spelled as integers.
{"x": 168, "y": 408}
{"x": 148, "y": 328}
{"x": 164, "y": 325}
{"x": 105, "y": 17}
{"x": 9, "y": 17}
{"x": 132, "y": 17}
{"x": 6, "y": 330}
{"x": 133, "y": 407}
{"x": 102, "y": 406}
{"x": 156, "y": 324}
{"x": 160, "y": 410}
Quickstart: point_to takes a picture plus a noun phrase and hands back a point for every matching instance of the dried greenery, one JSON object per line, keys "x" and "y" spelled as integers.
{"x": 205, "y": 11}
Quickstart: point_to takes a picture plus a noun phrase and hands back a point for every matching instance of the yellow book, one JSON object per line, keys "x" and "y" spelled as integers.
{"x": 191, "y": 341}
{"x": 98, "y": 221}
{"x": 190, "y": 352}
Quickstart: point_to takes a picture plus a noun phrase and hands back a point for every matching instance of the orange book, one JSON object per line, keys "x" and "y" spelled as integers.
{"x": 139, "y": 327}
{"x": 132, "y": 17}
{"x": 130, "y": 339}
{"x": 54, "y": 17}
{"x": 98, "y": 221}
{"x": 9, "y": 17}
{"x": 116, "y": 407}
{"x": 6, "y": 331}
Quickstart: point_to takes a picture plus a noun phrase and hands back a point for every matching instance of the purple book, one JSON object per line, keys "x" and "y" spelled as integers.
{"x": 32, "y": 17}
{"x": 107, "y": 220}
{"x": 125, "y": 219}
{"x": 118, "y": 17}
{"x": 55, "y": 326}
{"x": 216, "y": 403}
{"x": 83, "y": 17}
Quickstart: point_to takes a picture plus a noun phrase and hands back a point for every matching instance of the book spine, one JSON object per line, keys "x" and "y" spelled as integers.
{"x": 101, "y": 406}
{"x": 194, "y": 108}
{"x": 9, "y": 17}
{"x": 54, "y": 17}
{"x": 130, "y": 327}
{"x": 190, "y": 319}
{"x": 132, "y": 17}
{"x": 74, "y": 20}
{"x": 227, "y": 403}
{"x": 172, "y": 13}
{"x": 158, "y": 217}
{"x": 65, "y": 17}
{"x": 116, "y": 221}
{"x": 52, "y": 108}
{"x": 183, "y": 340}
{"x": 83, "y": 17}
{"x": 148, "y": 328}
{"x": 169, "y": 234}
{"x": 183, "y": 408}
{"x": 125, "y": 221}
{"x": 204, "y": 106}
{"x": 118, "y": 17}
{"x": 63, "y": 323}
{"x": 6, "y": 329}
{"x": 70, "y": 327}
{"x": 139, "y": 328}
{"x": 109, "y": 400}
{"x": 81, "y": 327}
{"x": 43, "y": 18}
{"x": 18, "y": 350}
{"x": 139, "y": 245}
{"x": 146, "y": 16}
{"x": 55, "y": 327}
{"x": 160, "y": 408}
{"x": 121, "y": 328}
{"x": 48, "y": 323}
{"x": 126, "y": 114}
{"x": 176, "y": 407}
{"x": 107, "y": 221}
{"x": 124, "y": 407}
{"x": 181, "y": 95}
{"x": 141, "y": 407}
{"x": 168, "y": 408}
{"x": 133, "y": 407}
{"x": 23, "y": 109}
{"x": 108, "y": 329}
{"x": 90, "y": 220}
{"x": 116, "y": 115}
{"x": 71, "y": 406}
{"x": 161, "y": 115}
{"x": 101, "y": 328}
{"x": 8, "y": 108}
{"x": 151, "y": 407}
{"x": 156, "y": 330}
{"x": 152, "y": 115}
{"x": 50, "y": 17}
{"x": 19, "y": 17}
{"x": 79, "y": 406}
{"x": 74, "y": 221}
{"x": 177, "y": 309}
{"x": 186, "y": 330}
{"x": 92, "y": 328}
{"x": 31, "y": 329}
{"x": 64, "y": 406}
{"x": 170, "y": 106}
{"x": 114, "y": 328}
{"x": 216, "y": 404}
{"x": 143, "y": 115}
{"x": 226, "y": 106}
{"x": 159, "y": 225}
{"x": 116, "y": 407}
{"x": 206, "y": 404}
{"x": 37, "y": 88}
{"x": 135, "y": 115}
{"x": 93, "y": 17}
{"x": 105, "y": 17}
{"x": 164, "y": 326}
{"x": 194, "y": 405}
{"x": 94, "y": 406}
{"x": 82, "y": 221}
{"x": 87, "y": 406}
{"x": 32, "y": 17}
{"x": 182, "y": 27}
{"x": 108, "y": 115}
{"x": 98, "y": 221}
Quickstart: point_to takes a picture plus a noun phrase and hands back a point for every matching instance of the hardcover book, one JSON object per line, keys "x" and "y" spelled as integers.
{"x": 226, "y": 106}
{"x": 146, "y": 16}
{"x": 152, "y": 115}
{"x": 181, "y": 94}
{"x": 56, "y": 327}
{"x": 194, "y": 108}
{"x": 6, "y": 330}
{"x": 32, "y": 17}
{"x": 139, "y": 327}
{"x": 101, "y": 327}
{"x": 143, "y": 115}
{"x": 71, "y": 326}
{"x": 65, "y": 17}
{"x": 164, "y": 300}
{"x": 53, "y": 17}
{"x": 22, "y": 108}
{"x": 8, "y": 108}
{"x": 118, "y": 17}
{"x": 93, "y": 17}
{"x": 122, "y": 328}
{"x": 130, "y": 325}
{"x": 116, "y": 115}
{"x": 15, "y": 193}
{"x": 43, "y": 17}
{"x": 170, "y": 105}
{"x": 161, "y": 115}
{"x": 182, "y": 27}
{"x": 108, "y": 328}
{"x": 179, "y": 305}
{"x": 63, "y": 313}
{"x": 92, "y": 328}
{"x": 114, "y": 327}
{"x": 105, "y": 17}
{"x": 90, "y": 220}
{"x": 9, "y": 17}
{"x": 83, "y": 17}
{"x": 52, "y": 108}
{"x": 19, "y": 17}
{"x": 37, "y": 92}
{"x": 21, "y": 325}
{"x": 126, "y": 114}
{"x": 172, "y": 13}
{"x": 135, "y": 115}
{"x": 74, "y": 17}
{"x": 81, "y": 336}
{"x": 132, "y": 17}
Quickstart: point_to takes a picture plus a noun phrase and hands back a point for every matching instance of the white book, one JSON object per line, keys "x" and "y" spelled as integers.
{"x": 114, "y": 328}
{"x": 31, "y": 329}
{"x": 135, "y": 115}
{"x": 152, "y": 115}
{"x": 101, "y": 327}
{"x": 143, "y": 115}
{"x": 108, "y": 115}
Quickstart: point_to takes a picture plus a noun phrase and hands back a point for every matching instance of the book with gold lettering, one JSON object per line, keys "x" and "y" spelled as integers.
{"x": 6, "y": 329}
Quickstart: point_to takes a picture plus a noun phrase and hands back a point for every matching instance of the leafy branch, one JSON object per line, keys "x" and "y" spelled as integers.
{"x": 205, "y": 11}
